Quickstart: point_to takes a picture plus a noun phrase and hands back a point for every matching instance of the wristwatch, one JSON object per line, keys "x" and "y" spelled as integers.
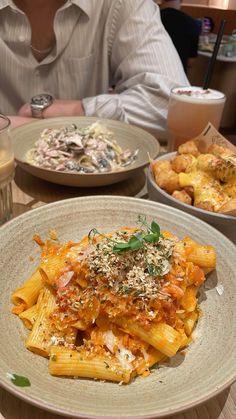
{"x": 40, "y": 102}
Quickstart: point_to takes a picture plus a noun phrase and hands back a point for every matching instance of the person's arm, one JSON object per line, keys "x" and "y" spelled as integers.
{"x": 145, "y": 66}
{"x": 58, "y": 108}
{"x": 17, "y": 121}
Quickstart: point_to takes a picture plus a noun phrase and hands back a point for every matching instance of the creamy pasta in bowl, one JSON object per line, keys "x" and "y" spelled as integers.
{"x": 70, "y": 149}
{"x": 83, "y": 151}
{"x": 151, "y": 291}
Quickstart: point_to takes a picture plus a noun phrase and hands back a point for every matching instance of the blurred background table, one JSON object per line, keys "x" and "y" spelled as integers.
{"x": 30, "y": 192}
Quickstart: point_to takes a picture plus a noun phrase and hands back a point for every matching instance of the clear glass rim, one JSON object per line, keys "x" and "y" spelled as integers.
{"x": 7, "y": 122}
{"x": 195, "y": 98}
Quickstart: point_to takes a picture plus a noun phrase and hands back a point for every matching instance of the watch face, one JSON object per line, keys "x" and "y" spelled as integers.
{"x": 42, "y": 100}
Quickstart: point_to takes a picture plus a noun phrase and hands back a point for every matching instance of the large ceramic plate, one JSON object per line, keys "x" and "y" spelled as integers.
{"x": 210, "y": 362}
{"x": 126, "y": 135}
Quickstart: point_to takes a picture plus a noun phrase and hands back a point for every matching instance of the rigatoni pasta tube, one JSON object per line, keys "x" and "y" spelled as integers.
{"x": 39, "y": 339}
{"x": 29, "y": 316}
{"x": 51, "y": 268}
{"x": 201, "y": 255}
{"x": 70, "y": 362}
{"x": 189, "y": 322}
{"x": 27, "y": 295}
{"x": 161, "y": 336}
{"x": 154, "y": 356}
{"x": 189, "y": 300}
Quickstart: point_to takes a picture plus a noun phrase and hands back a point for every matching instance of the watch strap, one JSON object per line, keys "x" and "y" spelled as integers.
{"x": 36, "y": 112}
{"x": 40, "y": 102}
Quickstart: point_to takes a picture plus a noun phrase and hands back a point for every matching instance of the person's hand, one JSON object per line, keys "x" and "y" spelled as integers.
{"x": 16, "y": 121}
{"x": 58, "y": 108}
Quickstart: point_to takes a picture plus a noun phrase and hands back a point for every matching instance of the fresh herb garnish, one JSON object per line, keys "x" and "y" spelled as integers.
{"x": 19, "y": 380}
{"x": 137, "y": 240}
{"x": 147, "y": 234}
{"x": 92, "y": 233}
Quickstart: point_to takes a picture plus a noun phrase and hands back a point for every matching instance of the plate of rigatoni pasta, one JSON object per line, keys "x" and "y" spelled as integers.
{"x": 115, "y": 307}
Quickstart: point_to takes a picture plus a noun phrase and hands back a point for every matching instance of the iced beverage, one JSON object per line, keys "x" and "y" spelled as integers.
{"x": 6, "y": 167}
{"x": 6, "y": 170}
{"x": 190, "y": 110}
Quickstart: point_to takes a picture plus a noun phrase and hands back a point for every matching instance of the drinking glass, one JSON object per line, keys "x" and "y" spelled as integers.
{"x": 190, "y": 110}
{"x": 6, "y": 169}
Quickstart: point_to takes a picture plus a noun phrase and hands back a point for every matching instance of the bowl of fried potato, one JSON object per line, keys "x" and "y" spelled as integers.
{"x": 201, "y": 184}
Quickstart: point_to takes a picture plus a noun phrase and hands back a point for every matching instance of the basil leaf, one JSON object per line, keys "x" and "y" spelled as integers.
{"x": 20, "y": 381}
{"x": 155, "y": 228}
{"x": 121, "y": 247}
{"x": 138, "y": 235}
{"x": 135, "y": 243}
{"x": 121, "y": 250}
{"x": 151, "y": 238}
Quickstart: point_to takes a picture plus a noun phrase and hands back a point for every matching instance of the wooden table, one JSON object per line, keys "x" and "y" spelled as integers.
{"x": 30, "y": 192}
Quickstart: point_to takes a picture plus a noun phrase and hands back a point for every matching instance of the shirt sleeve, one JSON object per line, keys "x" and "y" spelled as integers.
{"x": 144, "y": 68}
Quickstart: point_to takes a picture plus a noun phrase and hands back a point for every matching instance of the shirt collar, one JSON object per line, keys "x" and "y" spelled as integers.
{"x": 5, "y": 3}
{"x": 85, "y": 5}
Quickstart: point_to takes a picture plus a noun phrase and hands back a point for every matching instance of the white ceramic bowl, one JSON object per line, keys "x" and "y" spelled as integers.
{"x": 127, "y": 136}
{"x": 224, "y": 223}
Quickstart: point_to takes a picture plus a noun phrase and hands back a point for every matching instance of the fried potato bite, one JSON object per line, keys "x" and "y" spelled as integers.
{"x": 182, "y": 162}
{"x": 190, "y": 147}
{"x": 182, "y": 196}
{"x": 165, "y": 177}
{"x": 220, "y": 151}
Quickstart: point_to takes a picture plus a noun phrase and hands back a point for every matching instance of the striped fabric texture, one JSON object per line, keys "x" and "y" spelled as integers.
{"x": 99, "y": 43}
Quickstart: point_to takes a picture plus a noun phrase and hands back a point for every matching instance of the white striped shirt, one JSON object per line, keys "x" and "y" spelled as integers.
{"x": 98, "y": 43}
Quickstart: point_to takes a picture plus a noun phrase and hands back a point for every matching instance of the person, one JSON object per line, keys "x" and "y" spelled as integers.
{"x": 75, "y": 50}
{"x": 183, "y": 30}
